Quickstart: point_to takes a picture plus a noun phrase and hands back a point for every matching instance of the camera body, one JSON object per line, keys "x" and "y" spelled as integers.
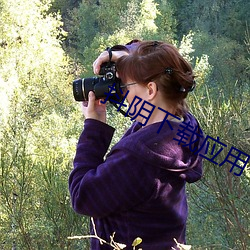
{"x": 99, "y": 85}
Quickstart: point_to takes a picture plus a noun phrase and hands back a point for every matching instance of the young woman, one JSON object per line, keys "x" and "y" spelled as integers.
{"x": 138, "y": 190}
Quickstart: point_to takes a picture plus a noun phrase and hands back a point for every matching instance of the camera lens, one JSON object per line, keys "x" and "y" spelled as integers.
{"x": 82, "y": 87}
{"x": 101, "y": 86}
{"x": 78, "y": 90}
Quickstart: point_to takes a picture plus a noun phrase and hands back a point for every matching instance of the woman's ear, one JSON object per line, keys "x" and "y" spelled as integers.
{"x": 152, "y": 90}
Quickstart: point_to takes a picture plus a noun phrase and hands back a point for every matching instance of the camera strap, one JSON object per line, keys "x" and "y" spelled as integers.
{"x": 119, "y": 109}
{"x": 113, "y": 103}
{"x": 110, "y": 54}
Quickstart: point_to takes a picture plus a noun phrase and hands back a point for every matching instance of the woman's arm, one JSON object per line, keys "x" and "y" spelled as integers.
{"x": 99, "y": 188}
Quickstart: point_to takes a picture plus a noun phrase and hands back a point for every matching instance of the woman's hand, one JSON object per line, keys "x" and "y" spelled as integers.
{"x": 104, "y": 57}
{"x": 94, "y": 109}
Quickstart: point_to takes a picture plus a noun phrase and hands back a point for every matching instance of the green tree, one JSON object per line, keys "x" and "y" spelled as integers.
{"x": 35, "y": 211}
{"x": 219, "y": 201}
{"x": 166, "y": 21}
{"x": 219, "y": 28}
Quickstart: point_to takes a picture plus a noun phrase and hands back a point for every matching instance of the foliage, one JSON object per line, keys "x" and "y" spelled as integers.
{"x": 36, "y": 146}
{"x": 92, "y": 27}
{"x": 40, "y": 122}
{"x": 217, "y": 202}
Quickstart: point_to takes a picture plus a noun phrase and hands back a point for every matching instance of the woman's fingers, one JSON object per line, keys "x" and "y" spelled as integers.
{"x": 91, "y": 104}
{"x": 104, "y": 57}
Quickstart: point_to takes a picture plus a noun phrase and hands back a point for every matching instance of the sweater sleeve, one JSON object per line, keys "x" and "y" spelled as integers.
{"x": 99, "y": 188}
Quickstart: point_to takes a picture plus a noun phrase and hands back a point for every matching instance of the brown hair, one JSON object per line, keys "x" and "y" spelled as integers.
{"x": 162, "y": 63}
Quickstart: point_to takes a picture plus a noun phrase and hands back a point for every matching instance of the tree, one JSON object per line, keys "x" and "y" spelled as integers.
{"x": 35, "y": 210}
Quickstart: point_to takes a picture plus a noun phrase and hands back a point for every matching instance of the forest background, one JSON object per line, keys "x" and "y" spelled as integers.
{"x": 45, "y": 44}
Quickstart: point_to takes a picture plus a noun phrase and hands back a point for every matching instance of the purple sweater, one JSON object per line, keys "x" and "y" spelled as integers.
{"x": 139, "y": 189}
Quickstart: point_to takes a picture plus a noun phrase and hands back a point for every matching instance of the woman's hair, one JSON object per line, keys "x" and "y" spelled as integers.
{"x": 162, "y": 63}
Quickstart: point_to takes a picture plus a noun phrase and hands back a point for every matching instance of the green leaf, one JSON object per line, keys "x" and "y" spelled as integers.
{"x": 137, "y": 242}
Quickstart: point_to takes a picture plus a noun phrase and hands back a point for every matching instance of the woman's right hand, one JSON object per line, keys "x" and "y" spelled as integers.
{"x": 94, "y": 109}
{"x": 104, "y": 57}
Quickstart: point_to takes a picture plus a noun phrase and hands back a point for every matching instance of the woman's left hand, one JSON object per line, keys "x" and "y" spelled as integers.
{"x": 94, "y": 109}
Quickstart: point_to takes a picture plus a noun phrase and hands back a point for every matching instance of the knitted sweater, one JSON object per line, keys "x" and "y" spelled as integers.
{"x": 138, "y": 190}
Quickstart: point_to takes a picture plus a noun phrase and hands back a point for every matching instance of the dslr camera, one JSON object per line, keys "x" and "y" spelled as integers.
{"x": 101, "y": 85}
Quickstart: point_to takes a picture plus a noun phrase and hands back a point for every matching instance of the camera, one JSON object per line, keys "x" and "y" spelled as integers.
{"x": 101, "y": 86}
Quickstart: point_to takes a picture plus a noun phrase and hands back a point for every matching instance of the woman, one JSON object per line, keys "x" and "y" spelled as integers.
{"x": 139, "y": 189}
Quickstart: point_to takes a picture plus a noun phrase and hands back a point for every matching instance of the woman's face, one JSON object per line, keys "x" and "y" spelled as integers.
{"x": 144, "y": 98}
{"x": 135, "y": 90}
